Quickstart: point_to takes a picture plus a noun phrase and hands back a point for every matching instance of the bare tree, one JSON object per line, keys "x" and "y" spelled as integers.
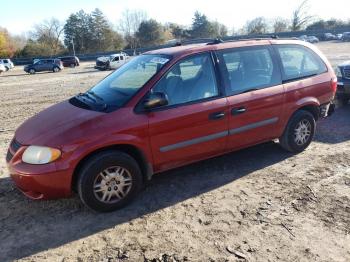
{"x": 256, "y": 26}
{"x": 49, "y": 33}
{"x": 130, "y": 23}
{"x": 280, "y": 24}
{"x": 300, "y": 16}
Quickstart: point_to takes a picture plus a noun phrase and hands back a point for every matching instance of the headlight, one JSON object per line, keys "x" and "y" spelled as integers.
{"x": 38, "y": 155}
{"x": 337, "y": 72}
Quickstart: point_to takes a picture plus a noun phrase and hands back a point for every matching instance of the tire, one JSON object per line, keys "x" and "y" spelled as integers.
{"x": 72, "y": 65}
{"x": 32, "y": 71}
{"x": 303, "y": 121}
{"x": 92, "y": 185}
{"x": 55, "y": 69}
{"x": 7, "y": 68}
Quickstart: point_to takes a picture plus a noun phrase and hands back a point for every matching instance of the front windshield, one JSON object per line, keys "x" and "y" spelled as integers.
{"x": 117, "y": 88}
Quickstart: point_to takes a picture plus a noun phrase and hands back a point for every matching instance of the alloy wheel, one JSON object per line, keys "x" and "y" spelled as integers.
{"x": 302, "y": 132}
{"x": 112, "y": 184}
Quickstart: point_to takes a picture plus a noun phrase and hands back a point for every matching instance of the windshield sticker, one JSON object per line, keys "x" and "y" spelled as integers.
{"x": 159, "y": 60}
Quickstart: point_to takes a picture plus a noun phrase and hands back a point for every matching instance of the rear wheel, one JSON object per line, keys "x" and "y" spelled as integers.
{"x": 72, "y": 65}
{"x": 32, "y": 71}
{"x": 109, "y": 181}
{"x": 299, "y": 132}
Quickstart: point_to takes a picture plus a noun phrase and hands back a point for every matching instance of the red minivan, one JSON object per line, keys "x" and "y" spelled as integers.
{"x": 168, "y": 108}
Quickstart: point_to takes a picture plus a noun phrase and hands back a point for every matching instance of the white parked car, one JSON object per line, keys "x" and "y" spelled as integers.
{"x": 111, "y": 62}
{"x": 7, "y": 63}
{"x": 2, "y": 68}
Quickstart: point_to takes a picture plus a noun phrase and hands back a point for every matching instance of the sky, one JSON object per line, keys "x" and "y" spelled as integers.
{"x": 19, "y": 16}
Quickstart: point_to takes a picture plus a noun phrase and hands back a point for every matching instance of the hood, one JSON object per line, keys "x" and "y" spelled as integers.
{"x": 103, "y": 59}
{"x": 53, "y": 122}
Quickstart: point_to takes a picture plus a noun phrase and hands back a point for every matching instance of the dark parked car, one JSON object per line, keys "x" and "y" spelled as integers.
{"x": 343, "y": 75}
{"x": 70, "y": 61}
{"x": 168, "y": 108}
{"x": 54, "y": 65}
{"x": 328, "y": 37}
{"x": 346, "y": 36}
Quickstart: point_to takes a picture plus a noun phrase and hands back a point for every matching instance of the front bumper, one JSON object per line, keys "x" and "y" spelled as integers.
{"x": 43, "y": 186}
{"x": 39, "y": 181}
{"x": 101, "y": 67}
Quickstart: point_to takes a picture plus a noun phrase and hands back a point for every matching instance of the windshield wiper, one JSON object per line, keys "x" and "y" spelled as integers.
{"x": 91, "y": 98}
{"x": 95, "y": 95}
{"x": 85, "y": 95}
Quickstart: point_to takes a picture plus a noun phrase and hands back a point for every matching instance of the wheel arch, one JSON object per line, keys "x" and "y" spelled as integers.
{"x": 133, "y": 151}
{"x": 312, "y": 108}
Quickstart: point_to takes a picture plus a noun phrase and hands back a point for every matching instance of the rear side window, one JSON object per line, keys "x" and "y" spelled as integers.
{"x": 299, "y": 62}
{"x": 248, "y": 69}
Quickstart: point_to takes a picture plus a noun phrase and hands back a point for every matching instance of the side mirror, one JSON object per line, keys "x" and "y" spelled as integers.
{"x": 154, "y": 100}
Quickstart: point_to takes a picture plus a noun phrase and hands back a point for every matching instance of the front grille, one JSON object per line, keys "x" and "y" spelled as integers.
{"x": 346, "y": 72}
{"x": 100, "y": 63}
{"x": 9, "y": 156}
{"x": 15, "y": 145}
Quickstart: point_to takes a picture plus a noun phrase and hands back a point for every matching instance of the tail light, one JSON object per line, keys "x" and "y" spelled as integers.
{"x": 334, "y": 83}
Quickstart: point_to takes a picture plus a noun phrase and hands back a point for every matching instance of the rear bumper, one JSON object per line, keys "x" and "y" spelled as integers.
{"x": 327, "y": 109}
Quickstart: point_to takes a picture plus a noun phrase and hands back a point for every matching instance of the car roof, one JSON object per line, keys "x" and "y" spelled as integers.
{"x": 197, "y": 48}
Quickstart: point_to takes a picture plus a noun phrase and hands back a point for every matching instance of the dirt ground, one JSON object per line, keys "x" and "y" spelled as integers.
{"x": 258, "y": 204}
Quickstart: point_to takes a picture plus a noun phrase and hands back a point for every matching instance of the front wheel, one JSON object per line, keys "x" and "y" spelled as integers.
{"x": 7, "y": 68}
{"x": 32, "y": 71}
{"x": 109, "y": 181}
{"x": 299, "y": 132}
{"x": 56, "y": 69}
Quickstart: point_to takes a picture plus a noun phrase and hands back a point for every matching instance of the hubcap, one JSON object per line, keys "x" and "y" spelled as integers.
{"x": 302, "y": 132}
{"x": 112, "y": 184}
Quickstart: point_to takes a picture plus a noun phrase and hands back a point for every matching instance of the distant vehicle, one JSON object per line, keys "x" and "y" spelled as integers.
{"x": 303, "y": 38}
{"x": 111, "y": 62}
{"x": 7, "y": 63}
{"x": 343, "y": 74}
{"x": 312, "y": 39}
{"x": 339, "y": 36}
{"x": 328, "y": 37}
{"x": 2, "y": 68}
{"x": 54, "y": 65}
{"x": 70, "y": 61}
{"x": 346, "y": 36}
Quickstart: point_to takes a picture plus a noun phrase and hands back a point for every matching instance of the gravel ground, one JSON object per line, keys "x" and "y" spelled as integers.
{"x": 258, "y": 204}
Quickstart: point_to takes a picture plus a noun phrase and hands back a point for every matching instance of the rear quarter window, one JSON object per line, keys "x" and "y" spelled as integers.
{"x": 299, "y": 62}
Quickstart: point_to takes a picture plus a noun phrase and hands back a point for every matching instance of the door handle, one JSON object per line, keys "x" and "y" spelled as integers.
{"x": 238, "y": 111}
{"x": 217, "y": 115}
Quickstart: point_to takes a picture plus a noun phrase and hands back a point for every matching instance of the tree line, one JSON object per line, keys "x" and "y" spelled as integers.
{"x": 93, "y": 32}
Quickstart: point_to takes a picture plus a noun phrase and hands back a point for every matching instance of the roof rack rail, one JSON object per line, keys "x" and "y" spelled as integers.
{"x": 214, "y": 41}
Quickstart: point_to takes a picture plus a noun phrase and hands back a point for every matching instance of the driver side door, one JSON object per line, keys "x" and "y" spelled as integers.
{"x": 194, "y": 124}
